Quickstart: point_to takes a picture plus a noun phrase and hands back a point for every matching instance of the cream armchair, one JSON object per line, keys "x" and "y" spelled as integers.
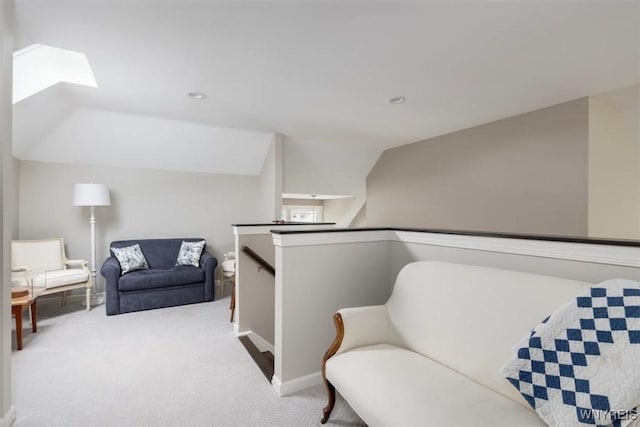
{"x": 43, "y": 264}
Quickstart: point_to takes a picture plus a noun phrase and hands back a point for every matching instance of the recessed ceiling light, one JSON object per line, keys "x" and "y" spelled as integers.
{"x": 197, "y": 95}
{"x": 397, "y": 100}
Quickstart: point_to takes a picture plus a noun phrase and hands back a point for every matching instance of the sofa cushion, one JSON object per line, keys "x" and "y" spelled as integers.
{"x": 53, "y": 279}
{"x": 160, "y": 253}
{"x": 580, "y": 365}
{"x": 190, "y": 253}
{"x": 130, "y": 258}
{"x": 160, "y": 278}
{"x": 470, "y": 318}
{"x": 390, "y": 386}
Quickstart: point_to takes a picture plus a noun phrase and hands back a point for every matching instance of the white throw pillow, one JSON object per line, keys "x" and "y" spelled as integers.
{"x": 580, "y": 366}
{"x": 190, "y": 253}
{"x": 130, "y": 258}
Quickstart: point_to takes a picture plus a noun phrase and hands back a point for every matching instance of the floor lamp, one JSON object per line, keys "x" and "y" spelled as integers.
{"x": 92, "y": 195}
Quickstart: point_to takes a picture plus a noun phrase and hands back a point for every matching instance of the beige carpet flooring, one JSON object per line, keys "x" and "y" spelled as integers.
{"x": 179, "y": 366}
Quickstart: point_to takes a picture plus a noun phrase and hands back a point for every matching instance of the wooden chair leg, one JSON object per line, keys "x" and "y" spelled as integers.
{"x": 64, "y": 298}
{"x": 88, "y": 297}
{"x": 232, "y": 279}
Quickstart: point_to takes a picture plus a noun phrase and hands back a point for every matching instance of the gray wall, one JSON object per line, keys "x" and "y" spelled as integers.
{"x": 525, "y": 174}
{"x": 255, "y": 288}
{"x": 145, "y": 203}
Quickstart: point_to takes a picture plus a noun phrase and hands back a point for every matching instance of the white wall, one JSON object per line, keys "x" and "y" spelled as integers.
{"x": 271, "y": 181}
{"x": 100, "y": 137}
{"x": 145, "y": 204}
{"x": 312, "y": 283}
{"x": 336, "y": 210}
{"x": 7, "y": 220}
{"x": 325, "y": 167}
{"x": 614, "y": 170}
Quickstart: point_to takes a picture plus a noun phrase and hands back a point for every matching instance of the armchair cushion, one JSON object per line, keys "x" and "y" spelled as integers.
{"x": 190, "y": 253}
{"x": 53, "y": 279}
{"x": 130, "y": 258}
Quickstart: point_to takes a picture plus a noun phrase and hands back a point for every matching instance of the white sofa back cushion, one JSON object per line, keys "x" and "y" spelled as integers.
{"x": 472, "y": 318}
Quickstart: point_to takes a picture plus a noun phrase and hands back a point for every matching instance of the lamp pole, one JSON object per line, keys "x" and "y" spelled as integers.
{"x": 94, "y": 282}
{"x": 92, "y": 195}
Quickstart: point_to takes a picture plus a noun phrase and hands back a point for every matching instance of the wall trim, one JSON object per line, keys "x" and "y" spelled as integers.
{"x": 241, "y": 230}
{"x": 9, "y": 417}
{"x": 600, "y": 253}
{"x": 297, "y": 384}
{"x": 331, "y": 238}
{"x": 258, "y": 341}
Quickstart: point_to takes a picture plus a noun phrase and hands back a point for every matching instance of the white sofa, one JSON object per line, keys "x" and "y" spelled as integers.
{"x": 430, "y": 356}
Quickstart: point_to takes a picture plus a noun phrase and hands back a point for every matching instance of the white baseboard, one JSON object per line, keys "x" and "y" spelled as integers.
{"x": 9, "y": 417}
{"x": 292, "y": 386}
{"x": 258, "y": 341}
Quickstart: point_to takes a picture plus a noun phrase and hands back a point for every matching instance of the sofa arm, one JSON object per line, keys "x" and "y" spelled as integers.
{"x": 363, "y": 326}
{"x": 355, "y": 327}
{"x": 209, "y": 263}
{"x": 111, "y": 272}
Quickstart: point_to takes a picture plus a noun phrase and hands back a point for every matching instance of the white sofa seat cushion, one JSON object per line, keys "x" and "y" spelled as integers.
{"x": 391, "y": 386}
{"x": 54, "y": 279}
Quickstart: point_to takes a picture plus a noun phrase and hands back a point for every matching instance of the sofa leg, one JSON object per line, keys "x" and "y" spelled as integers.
{"x": 331, "y": 351}
{"x": 331, "y": 401}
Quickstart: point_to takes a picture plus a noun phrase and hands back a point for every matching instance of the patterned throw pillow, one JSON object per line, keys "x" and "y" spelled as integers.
{"x": 130, "y": 258}
{"x": 580, "y": 367}
{"x": 190, "y": 253}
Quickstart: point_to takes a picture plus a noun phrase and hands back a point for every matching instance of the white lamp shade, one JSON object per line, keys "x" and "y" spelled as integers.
{"x": 91, "y": 195}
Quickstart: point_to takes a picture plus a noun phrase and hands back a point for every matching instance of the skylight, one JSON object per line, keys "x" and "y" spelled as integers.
{"x": 39, "y": 66}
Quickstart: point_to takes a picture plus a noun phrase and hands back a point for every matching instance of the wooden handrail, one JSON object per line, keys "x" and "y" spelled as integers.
{"x": 257, "y": 258}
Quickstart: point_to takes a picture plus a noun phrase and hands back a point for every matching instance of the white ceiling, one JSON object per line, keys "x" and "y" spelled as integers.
{"x": 316, "y": 70}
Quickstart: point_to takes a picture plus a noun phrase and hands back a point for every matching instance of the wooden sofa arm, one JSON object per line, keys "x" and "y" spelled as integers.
{"x": 355, "y": 327}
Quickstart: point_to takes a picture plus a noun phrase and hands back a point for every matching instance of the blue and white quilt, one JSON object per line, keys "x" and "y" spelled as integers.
{"x": 581, "y": 366}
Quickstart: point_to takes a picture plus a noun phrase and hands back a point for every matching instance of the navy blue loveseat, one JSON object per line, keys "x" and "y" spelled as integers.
{"x": 163, "y": 284}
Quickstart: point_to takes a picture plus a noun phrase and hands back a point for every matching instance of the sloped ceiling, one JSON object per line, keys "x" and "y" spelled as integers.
{"x": 315, "y": 70}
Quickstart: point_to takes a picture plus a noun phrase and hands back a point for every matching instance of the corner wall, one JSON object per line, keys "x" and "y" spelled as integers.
{"x": 614, "y": 172}
{"x": 523, "y": 174}
{"x": 271, "y": 178}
